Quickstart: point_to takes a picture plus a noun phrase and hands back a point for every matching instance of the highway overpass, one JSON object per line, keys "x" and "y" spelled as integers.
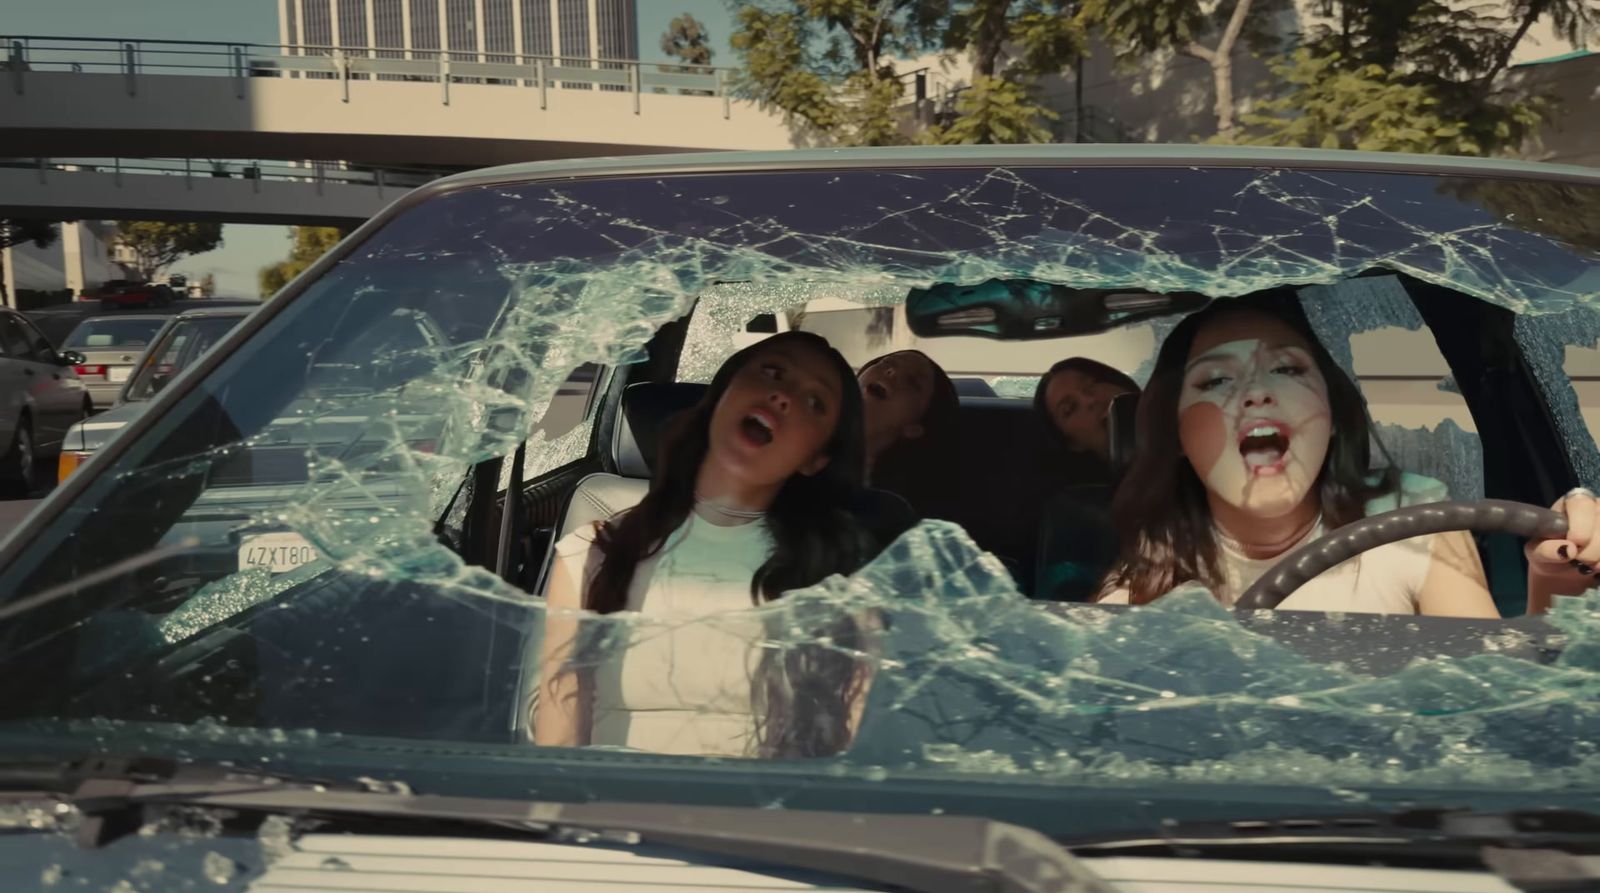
{"x": 76, "y": 97}
{"x": 178, "y": 189}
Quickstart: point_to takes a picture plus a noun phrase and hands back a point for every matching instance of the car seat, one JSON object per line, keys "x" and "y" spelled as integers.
{"x": 1077, "y": 542}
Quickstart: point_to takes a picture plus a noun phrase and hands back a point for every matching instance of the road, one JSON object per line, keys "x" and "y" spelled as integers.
{"x": 56, "y": 323}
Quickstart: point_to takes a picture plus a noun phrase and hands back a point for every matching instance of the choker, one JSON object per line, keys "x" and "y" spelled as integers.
{"x": 729, "y": 511}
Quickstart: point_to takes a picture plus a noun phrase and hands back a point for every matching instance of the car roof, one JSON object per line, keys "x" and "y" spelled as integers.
{"x": 213, "y": 313}
{"x": 1154, "y": 155}
{"x": 103, "y": 316}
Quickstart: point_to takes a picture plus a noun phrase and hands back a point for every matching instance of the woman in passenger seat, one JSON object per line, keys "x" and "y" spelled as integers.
{"x": 751, "y": 498}
{"x": 1254, "y": 442}
{"x": 1074, "y": 398}
{"x": 911, "y": 410}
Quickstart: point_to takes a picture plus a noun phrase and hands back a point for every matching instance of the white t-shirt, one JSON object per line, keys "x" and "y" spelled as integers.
{"x": 681, "y": 682}
{"x": 1385, "y": 580}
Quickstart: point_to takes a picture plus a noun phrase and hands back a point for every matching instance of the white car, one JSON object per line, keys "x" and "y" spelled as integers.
{"x": 283, "y": 631}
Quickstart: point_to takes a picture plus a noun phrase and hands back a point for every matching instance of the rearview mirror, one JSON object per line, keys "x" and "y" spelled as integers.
{"x": 1026, "y": 309}
{"x": 70, "y": 358}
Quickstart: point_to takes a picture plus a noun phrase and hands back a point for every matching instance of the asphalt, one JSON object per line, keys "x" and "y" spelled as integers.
{"x": 12, "y": 511}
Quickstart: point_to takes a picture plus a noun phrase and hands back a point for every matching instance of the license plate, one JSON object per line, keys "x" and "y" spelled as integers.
{"x": 277, "y": 552}
{"x": 117, "y": 373}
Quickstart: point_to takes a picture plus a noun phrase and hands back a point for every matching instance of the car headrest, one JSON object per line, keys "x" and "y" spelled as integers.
{"x": 647, "y": 407}
{"x": 1119, "y": 430}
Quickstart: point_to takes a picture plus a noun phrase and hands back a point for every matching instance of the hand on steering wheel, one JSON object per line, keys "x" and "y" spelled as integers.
{"x": 1569, "y": 564}
{"x": 1547, "y": 529}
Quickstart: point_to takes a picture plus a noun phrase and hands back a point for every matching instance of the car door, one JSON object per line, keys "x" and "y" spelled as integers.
{"x": 55, "y": 392}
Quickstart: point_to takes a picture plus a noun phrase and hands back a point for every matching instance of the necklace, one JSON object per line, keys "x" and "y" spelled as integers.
{"x": 1276, "y": 549}
{"x": 729, "y": 511}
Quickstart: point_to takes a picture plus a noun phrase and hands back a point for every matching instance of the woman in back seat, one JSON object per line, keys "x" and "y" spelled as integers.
{"x": 751, "y": 498}
{"x": 911, "y": 411}
{"x": 1074, "y": 398}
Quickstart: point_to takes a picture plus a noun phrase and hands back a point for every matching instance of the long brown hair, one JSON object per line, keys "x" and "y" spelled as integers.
{"x": 803, "y": 691}
{"x": 1160, "y": 511}
{"x": 814, "y": 533}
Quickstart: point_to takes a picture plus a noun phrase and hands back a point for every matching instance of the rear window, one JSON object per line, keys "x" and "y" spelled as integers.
{"x": 114, "y": 333}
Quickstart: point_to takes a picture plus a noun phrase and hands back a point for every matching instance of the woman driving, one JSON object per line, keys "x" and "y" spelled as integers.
{"x": 1254, "y": 442}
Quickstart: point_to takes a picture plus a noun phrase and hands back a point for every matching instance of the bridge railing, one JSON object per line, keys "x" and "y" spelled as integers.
{"x": 316, "y": 172}
{"x": 20, "y": 55}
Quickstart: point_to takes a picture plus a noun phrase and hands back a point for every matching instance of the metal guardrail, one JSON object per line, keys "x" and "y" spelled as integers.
{"x": 240, "y": 61}
{"x": 319, "y": 173}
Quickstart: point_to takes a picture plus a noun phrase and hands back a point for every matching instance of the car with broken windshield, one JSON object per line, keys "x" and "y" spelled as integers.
{"x": 367, "y": 698}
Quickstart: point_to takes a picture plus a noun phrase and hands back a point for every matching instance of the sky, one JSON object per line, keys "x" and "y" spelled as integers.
{"x": 247, "y": 248}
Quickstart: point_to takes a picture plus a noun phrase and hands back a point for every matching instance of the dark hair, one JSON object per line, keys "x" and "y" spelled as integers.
{"x": 1161, "y": 513}
{"x": 803, "y": 691}
{"x": 910, "y": 466}
{"x": 813, "y": 531}
{"x": 1092, "y": 368}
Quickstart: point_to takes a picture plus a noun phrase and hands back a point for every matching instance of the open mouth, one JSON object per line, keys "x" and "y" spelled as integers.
{"x": 877, "y": 391}
{"x": 756, "y": 429}
{"x": 1264, "y": 445}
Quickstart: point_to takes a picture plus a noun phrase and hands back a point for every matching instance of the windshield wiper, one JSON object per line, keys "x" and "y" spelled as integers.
{"x": 924, "y": 853}
{"x": 1534, "y": 849}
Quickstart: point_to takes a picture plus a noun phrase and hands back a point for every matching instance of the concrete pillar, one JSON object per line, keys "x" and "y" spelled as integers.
{"x": 555, "y": 30}
{"x": 72, "y": 265}
{"x": 594, "y": 30}
{"x": 8, "y": 277}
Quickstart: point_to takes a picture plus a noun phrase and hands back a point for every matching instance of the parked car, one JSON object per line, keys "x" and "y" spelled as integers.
{"x": 282, "y": 631}
{"x": 119, "y": 293}
{"x": 180, "y": 341}
{"x": 110, "y": 345}
{"x": 40, "y": 398}
{"x": 58, "y": 321}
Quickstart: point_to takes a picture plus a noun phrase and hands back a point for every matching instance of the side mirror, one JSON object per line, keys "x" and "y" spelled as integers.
{"x": 70, "y": 358}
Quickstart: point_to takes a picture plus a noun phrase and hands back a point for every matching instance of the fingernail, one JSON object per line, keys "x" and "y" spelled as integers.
{"x": 1562, "y": 551}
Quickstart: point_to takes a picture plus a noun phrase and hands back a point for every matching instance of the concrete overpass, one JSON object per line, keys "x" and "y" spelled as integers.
{"x": 76, "y": 97}
{"x": 179, "y": 189}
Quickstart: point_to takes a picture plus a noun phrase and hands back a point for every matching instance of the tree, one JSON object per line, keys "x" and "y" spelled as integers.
{"x": 307, "y": 243}
{"x": 993, "y": 110}
{"x": 1208, "y": 31}
{"x": 157, "y": 245}
{"x": 1329, "y": 105}
{"x": 1011, "y": 43}
{"x": 687, "y": 39}
{"x": 1411, "y": 75}
{"x": 15, "y": 232}
{"x": 829, "y": 64}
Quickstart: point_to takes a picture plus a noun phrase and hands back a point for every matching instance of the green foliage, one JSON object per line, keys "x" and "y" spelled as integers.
{"x": 307, "y": 244}
{"x": 687, "y": 39}
{"x": 830, "y": 64}
{"x": 157, "y": 245}
{"x": 1410, "y": 76}
{"x": 995, "y": 111}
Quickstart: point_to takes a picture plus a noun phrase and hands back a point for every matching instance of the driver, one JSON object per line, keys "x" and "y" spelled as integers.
{"x": 1254, "y": 442}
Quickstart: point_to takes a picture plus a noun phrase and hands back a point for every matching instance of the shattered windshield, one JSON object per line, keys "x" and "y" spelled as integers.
{"x": 342, "y": 536}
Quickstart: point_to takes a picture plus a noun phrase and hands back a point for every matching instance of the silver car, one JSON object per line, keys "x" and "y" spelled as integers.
{"x": 174, "y": 348}
{"x": 110, "y": 346}
{"x": 42, "y": 397}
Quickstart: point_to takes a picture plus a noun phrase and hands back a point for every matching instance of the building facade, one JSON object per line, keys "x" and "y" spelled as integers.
{"x": 492, "y": 30}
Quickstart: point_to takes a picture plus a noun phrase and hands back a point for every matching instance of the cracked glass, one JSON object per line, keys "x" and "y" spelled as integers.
{"x": 287, "y": 560}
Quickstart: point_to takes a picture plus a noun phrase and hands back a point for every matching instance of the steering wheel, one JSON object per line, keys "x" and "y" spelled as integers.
{"x": 1482, "y": 516}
